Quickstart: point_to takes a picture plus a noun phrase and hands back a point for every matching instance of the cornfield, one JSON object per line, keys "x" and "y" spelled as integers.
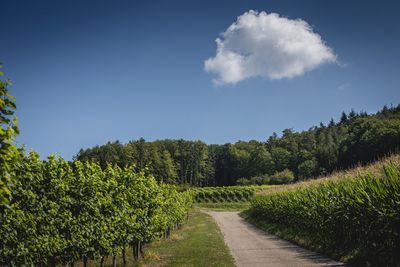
{"x": 357, "y": 217}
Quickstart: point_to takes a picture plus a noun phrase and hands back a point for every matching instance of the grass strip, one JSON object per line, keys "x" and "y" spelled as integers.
{"x": 198, "y": 243}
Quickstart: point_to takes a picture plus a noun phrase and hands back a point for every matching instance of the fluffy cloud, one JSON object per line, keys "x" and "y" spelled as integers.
{"x": 267, "y": 45}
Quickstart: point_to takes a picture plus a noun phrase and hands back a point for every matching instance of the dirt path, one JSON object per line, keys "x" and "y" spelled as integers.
{"x": 252, "y": 247}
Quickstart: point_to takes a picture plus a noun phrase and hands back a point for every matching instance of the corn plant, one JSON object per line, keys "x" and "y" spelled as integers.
{"x": 358, "y": 216}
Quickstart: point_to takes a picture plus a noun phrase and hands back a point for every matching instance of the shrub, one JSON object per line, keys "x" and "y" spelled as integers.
{"x": 243, "y": 181}
{"x": 284, "y": 177}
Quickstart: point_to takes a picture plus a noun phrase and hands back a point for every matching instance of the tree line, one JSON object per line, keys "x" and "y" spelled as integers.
{"x": 356, "y": 138}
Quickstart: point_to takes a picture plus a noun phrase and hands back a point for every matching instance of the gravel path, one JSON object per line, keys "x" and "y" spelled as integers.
{"x": 252, "y": 247}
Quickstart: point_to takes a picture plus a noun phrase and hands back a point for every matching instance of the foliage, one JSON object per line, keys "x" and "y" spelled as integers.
{"x": 284, "y": 177}
{"x": 243, "y": 181}
{"x": 61, "y": 212}
{"x": 356, "y": 216}
{"x": 222, "y": 194}
{"x": 8, "y": 131}
{"x": 280, "y": 177}
{"x": 356, "y": 138}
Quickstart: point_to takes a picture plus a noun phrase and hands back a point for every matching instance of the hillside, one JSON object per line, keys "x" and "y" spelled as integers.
{"x": 375, "y": 169}
{"x": 293, "y": 156}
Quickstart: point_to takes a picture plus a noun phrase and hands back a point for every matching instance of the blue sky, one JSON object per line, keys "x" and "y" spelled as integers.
{"x": 88, "y": 72}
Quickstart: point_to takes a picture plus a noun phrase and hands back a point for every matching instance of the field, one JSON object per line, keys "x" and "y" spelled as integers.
{"x": 64, "y": 214}
{"x": 374, "y": 168}
{"x": 229, "y": 194}
{"x": 353, "y": 215}
{"x": 216, "y": 133}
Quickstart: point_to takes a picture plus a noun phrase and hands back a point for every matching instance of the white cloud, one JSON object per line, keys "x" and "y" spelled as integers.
{"x": 267, "y": 45}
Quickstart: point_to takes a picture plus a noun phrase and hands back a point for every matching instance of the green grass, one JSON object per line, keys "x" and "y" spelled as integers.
{"x": 198, "y": 243}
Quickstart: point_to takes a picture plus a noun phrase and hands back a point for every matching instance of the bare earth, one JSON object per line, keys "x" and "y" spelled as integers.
{"x": 252, "y": 247}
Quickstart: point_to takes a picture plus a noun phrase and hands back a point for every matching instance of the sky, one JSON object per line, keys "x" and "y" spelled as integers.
{"x": 88, "y": 72}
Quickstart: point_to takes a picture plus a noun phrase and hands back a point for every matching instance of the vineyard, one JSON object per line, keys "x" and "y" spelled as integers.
{"x": 357, "y": 217}
{"x": 223, "y": 194}
{"x": 62, "y": 212}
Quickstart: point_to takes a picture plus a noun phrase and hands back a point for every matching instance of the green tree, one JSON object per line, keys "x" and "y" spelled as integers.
{"x": 8, "y": 131}
{"x": 168, "y": 168}
{"x": 260, "y": 162}
{"x": 281, "y": 158}
{"x": 307, "y": 169}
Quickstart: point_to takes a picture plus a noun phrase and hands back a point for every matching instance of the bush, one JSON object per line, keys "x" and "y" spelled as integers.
{"x": 284, "y": 177}
{"x": 243, "y": 181}
{"x": 255, "y": 180}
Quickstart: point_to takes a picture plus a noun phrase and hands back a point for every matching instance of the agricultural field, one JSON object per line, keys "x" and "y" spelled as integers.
{"x": 352, "y": 216}
{"x": 223, "y": 194}
{"x": 234, "y": 198}
{"x": 374, "y": 168}
{"x": 199, "y": 133}
{"x": 64, "y": 213}
{"x": 227, "y": 193}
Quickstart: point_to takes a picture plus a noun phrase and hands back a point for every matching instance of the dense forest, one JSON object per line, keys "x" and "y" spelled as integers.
{"x": 293, "y": 156}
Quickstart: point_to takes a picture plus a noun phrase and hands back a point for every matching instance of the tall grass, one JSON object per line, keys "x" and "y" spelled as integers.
{"x": 357, "y": 217}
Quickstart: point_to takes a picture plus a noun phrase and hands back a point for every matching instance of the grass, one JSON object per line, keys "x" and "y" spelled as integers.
{"x": 198, "y": 243}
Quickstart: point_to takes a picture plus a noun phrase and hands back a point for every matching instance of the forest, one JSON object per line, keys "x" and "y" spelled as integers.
{"x": 357, "y": 138}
